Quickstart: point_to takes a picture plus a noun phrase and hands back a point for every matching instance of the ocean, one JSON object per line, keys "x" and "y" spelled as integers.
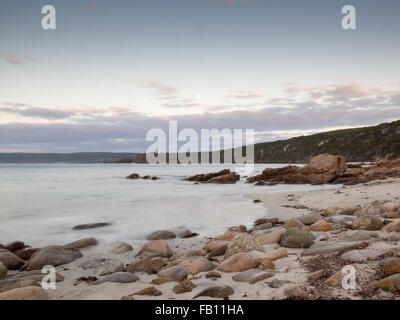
{"x": 41, "y": 203}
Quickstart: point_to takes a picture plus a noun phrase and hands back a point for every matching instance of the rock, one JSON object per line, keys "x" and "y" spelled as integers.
{"x": 361, "y": 255}
{"x": 391, "y": 283}
{"x": 344, "y": 222}
{"x": 16, "y": 245}
{"x": 216, "y": 292}
{"x": 213, "y": 274}
{"x": 392, "y": 227}
{"x": 83, "y": 243}
{"x": 161, "y": 235}
{"x": 26, "y": 293}
{"x": 310, "y": 218}
{"x": 297, "y": 238}
{"x": 112, "y": 266}
{"x": 370, "y": 223}
{"x": 243, "y": 242}
{"x": 118, "y": 277}
{"x": 242, "y": 228}
{"x": 229, "y": 178}
{"x": 120, "y": 247}
{"x": 335, "y": 280}
{"x": 227, "y": 236}
{"x": 52, "y": 255}
{"x": 374, "y": 209}
{"x": 272, "y": 237}
{"x": 321, "y": 225}
{"x": 238, "y": 262}
{"x": 330, "y": 247}
{"x": 328, "y": 163}
{"x": 263, "y": 226}
{"x": 278, "y": 254}
{"x": 157, "y": 247}
{"x": 220, "y": 251}
{"x": 392, "y": 215}
{"x": 215, "y": 245}
{"x": 252, "y": 276}
{"x": 348, "y": 211}
{"x": 10, "y": 260}
{"x": 184, "y": 233}
{"x": 150, "y": 291}
{"x": 91, "y": 226}
{"x": 328, "y": 212}
{"x": 26, "y": 254}
{"x": 392, "y": 266}
{"x": 3, "y": 271}
{"x": 260, "y": 183}
{"x": 184, "y": 287}
{"x": 293, "y": 223}
{"x": 276, "y": 283}
{"x": 293, "y": 292}
{"x": 266, "y": 264}
{"x": 133, "y": 176}
{"x": 36, "y": 275}
{"x": 94, "y": 263}
{"x": 149, "y": 266}
{"x": 10, "y": 284}
{"x": 159, "y": 281}
{"x": 192, "y": 266}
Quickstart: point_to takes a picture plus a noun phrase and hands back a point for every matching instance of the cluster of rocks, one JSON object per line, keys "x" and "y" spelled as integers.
{"x": 328, "y": 169}
{"x": 135, "y": 176}
{"x": 222, "y": 177}
{"x": 320, "y": 243}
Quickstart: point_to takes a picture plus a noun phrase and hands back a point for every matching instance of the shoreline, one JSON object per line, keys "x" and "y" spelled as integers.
{"x": 292, "y": 275}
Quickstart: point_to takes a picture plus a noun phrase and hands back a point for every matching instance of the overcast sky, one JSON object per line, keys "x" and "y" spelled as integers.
{"x": 112, "y": 70}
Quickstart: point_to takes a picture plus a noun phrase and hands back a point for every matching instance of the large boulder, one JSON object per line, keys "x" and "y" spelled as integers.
{"x": 238, "y": 262}
{"x": 25, "y": 293}
{"x": 243, "y": 242}
{"x": 157, "y": 248}
{"x": 328, "y": 163}
{"x": 52, "y": 255}
{"x": 297, "y": 238}
{"x": 369, "y": 223}
{"x": 10, "y": 260}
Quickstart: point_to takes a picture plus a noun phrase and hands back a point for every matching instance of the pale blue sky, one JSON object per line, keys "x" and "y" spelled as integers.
{"x": 114, "y": 69}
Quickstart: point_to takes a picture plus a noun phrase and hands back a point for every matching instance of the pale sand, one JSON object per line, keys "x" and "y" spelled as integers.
{"x": 288, "y": 269}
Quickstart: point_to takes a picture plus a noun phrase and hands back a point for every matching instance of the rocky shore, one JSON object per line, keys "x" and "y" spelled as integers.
{"x": 296, "y": 251}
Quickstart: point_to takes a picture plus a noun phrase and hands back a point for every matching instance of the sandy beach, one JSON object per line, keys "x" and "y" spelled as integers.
{"x": 291, "y": 277}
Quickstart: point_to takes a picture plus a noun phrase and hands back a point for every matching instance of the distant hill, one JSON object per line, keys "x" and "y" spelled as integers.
{"x": 81, "y": 157}
{"x": 359, "y": 144}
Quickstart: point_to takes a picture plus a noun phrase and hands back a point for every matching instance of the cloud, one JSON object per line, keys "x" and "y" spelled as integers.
{"x": 162, "y": 90}
{"x": 11, "y": 58}
{"x": 123, "y": 128}
{"x": 243, "y": 94}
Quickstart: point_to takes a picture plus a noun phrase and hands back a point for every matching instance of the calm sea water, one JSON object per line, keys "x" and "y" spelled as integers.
{"x": 41, "y": 203}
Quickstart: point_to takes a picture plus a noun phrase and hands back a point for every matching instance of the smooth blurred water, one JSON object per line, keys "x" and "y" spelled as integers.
{"x": 41, "y": 203}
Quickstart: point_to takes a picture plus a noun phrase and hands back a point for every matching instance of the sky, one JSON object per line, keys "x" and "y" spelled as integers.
{"x": 113, "y": 70}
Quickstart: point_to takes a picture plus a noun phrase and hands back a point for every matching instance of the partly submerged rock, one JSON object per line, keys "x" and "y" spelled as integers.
{"x": 161, "y": 235}
{"x": 52, "y": 255}
{"x": 91, "y": 225}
